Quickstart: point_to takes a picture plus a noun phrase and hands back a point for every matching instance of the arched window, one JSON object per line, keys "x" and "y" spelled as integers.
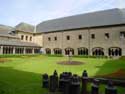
{"x": 69, "y": 51}
{"x": 57, "y": 51}
{"x": 82, "y": 51}
{"x": 115, "y": 51}
{"x": 48, "y": 51}
{"x": 98, "y": 51}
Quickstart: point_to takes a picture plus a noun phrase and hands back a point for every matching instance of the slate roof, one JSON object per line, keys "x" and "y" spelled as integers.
{"x": 24, "y": 27}
{"x": 18, "y": 43}
{"x": 93, "y": 19}
{"x": 5, "y": 29}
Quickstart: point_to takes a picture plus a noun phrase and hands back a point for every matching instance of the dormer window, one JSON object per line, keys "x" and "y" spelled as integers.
{"x": 12, "y": 32}
{"x": 122, "y": 34}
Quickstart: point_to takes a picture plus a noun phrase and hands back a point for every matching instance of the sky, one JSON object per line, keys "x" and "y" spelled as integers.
{"x": 12, "y": 12}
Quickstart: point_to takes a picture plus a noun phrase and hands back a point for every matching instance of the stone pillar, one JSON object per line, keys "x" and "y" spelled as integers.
{"x": 123, "y": 51}
{"x": 106, "y": 52}
{"x": 13, "y": 50}
{"x": 1, "y": 50}
{"x": 32, "y": 50}
{"x": 52, "y": 52}
{"x": 75, "y": 51}
{"x": 84, "y": 82}
{"x": 24, "y": 50}
{"x": 90, "y": 51}
{"x": 63, "y": 52}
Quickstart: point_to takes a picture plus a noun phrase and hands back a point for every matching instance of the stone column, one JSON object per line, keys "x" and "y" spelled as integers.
{"x": 32, "y": 50}
{"x": 106, "y": 52}
{"x": 24, "y": 50}
{"x": 90, "y": 52}
{"x": 52, "y": 52}
{"x": 13, "y": 50}
{"x": 75, "y": 51}
{"x": 1, "y": 50}
{"x": 63, "y": 52}
{"x": 123, "y": 51}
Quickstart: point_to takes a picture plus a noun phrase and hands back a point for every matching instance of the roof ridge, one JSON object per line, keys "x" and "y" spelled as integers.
{"x": 80, "y": 14}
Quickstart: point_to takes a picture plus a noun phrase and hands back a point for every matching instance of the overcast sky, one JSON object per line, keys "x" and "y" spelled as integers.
{"x": 12, "y": 12}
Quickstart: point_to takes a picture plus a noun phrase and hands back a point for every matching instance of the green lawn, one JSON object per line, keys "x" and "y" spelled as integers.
{"x": 22, "y": 74}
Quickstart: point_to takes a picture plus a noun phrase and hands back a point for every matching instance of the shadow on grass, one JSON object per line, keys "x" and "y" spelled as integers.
{"x": 19, "y": 82}
{"x": 113, "y": 69}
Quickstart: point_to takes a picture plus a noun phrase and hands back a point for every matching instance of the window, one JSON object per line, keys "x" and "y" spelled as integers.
{"x": 30, "y": 38}
{"x": 26, "y": 37}
{"x": 122, "y": 34}
{"x": 22, "y": 37}
{"x": 80, "y": 37}
{"x": 93, "y": 36}
{"x": 49, "y": 39}
{"x": 55, "y": 38}
{"x": 68, "y": 37}
{"x": 107, "y": 35}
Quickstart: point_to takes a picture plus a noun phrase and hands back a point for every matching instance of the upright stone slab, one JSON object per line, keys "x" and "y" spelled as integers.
{"x": 84, "y": 82}
{"x": 110, "y": 88}
{"x": 52, "y": 85}
{"x": 75, "y": 85}
{"x": 61, "y": 82}
{"x": 56, "y": 78}
{"x": 67, "y": 82}
{"x": 45, "y": 83}
{"x": 55, "y": 73}
{"x": 95, "y": 87}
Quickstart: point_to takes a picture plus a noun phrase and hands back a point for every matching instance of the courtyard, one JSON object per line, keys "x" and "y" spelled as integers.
{"x": 22, "y": 74}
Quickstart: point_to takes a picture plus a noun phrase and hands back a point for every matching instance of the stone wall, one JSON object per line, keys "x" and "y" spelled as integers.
{"x": 100, "y": 40}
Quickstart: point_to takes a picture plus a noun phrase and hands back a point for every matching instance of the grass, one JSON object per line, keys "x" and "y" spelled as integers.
{"x": 22, "y": 74}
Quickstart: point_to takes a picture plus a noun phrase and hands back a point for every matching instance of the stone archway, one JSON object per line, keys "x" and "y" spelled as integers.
{"x": 69, "y": 51}
{"x": 48, "y": 51}
{"x": 98, "y": 51}
{"x": 57, "y": 51}
{"x": 114, "y": 51}
{"x": 82, "y": 51}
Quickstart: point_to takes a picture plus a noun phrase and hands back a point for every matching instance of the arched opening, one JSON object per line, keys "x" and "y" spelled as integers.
{"x": 48, "y": 51}
{"x": 57, "y": 51}
{"x": 7, "y": 50}
{"x": 28, "y": 50}
{"x": 19, "y": 50}
{"x": 82, "y": 51}
{"x": 36, "y": 50}
{"x": 98, "y": 51}
{"x": 115, "y": 51}
{"x": 69, "y": 51}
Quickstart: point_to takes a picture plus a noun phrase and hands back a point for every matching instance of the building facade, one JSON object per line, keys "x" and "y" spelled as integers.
{"x": 108, "y": 41}
{"x": 99, "y": 33}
